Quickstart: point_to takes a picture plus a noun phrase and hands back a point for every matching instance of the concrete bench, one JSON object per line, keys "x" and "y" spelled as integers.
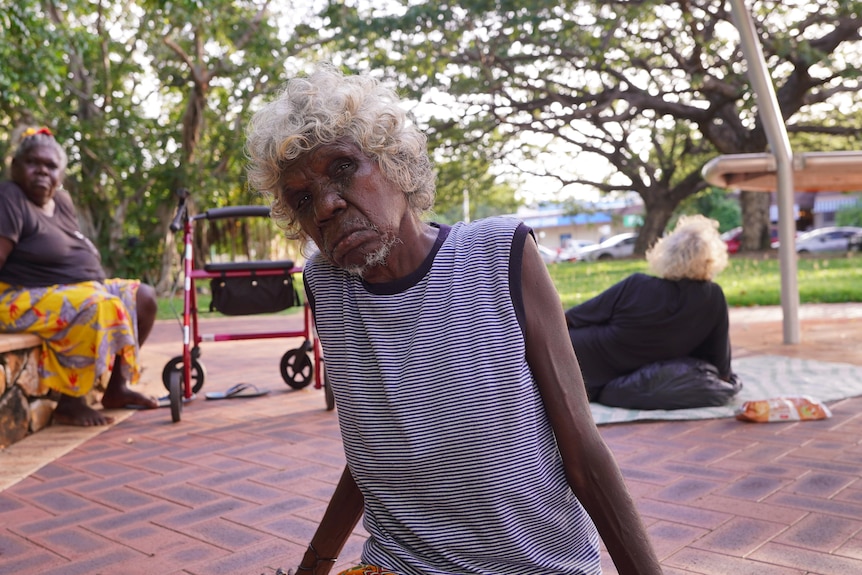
{"x": 16, "y": 341}
{"x": 24, "y": 407}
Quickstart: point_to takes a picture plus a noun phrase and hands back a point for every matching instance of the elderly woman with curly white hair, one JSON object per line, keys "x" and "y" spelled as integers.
{"x": 469, "y": 442}
{"x": 637, "y": 335}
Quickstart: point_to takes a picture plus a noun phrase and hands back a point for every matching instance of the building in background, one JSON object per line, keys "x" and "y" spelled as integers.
{"x": 559, "y": 226}
{"x": 813, "y": 210}
{"x": 827, "y": 204}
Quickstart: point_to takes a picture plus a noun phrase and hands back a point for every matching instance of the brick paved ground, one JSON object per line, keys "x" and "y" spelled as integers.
{"x": 237, "y": 486}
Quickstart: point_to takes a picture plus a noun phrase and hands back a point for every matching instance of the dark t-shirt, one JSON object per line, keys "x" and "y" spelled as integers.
{"x": 644, "y": 319}
{"x": 48, "y": 250}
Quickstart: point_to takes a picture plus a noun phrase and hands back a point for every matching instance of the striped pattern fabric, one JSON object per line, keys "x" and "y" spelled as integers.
{"x": 442, "y": 423}
{"x": 363, "y": 569}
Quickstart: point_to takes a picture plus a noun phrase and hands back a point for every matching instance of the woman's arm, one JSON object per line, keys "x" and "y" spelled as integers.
{"x": 6, "y": 247}
{"x": 715, "y": 348}
{"x": 589, "y": 464}
{"x": 341, "y": 516}
{"x": 597, "y": 310}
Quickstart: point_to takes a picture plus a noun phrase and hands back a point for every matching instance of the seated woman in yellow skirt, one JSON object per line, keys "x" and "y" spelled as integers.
{"x": 52, "y": 284}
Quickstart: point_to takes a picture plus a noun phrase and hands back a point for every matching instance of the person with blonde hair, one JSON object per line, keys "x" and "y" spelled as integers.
{"x": 469, "y": 441}
{"x": 661, "y": 341}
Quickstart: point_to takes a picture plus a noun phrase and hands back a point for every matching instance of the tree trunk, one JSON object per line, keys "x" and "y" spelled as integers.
{"x": 166, "y": 274}
{"x": 657, "y": 216}
{"x": 755, "y": 221}
{"x": 165, "y": 283}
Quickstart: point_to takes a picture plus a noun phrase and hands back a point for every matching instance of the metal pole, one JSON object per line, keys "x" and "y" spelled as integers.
{"x": 776, "y": 133}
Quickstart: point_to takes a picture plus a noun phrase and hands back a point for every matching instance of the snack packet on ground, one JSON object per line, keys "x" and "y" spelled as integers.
{"x": 800, "y": 408}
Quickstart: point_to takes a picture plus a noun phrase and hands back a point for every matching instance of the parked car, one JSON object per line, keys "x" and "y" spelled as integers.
{"x": 830, "y": 239}
{"x": 572, "y": 252}
{"x": 619, "y": 246}
{"x": 549, "y": 256}
{"x": 854, "y": 242}
{"x": 733, "y": 238}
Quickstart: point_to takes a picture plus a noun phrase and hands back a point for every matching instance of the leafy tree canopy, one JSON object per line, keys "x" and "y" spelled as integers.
{"x": 146, "y": 97}
{"x": 652, "y": 89}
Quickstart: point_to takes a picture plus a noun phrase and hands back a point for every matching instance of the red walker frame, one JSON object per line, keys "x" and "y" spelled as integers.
{"x": 297, "y": 369}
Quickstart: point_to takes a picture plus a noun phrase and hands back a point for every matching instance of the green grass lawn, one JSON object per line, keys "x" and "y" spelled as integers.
{"x": 747, "y": 281}
{"x": 172, "y": 308}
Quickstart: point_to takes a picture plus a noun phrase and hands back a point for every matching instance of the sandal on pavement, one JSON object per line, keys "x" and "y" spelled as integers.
{"x": 240, "y": 390}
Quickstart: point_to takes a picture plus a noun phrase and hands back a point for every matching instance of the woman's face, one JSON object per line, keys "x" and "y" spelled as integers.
{"x": 346, "y": 205}
{"x": 39, "y": 173}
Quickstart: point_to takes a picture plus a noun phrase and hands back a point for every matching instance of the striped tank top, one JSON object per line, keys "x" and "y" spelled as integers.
{"x": 443, "y": 427}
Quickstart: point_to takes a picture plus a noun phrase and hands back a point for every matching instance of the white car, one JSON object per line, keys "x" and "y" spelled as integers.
{"x": 831, "y": 239}
{"x": 549, "y": 256}
{"x": 619, "y": 246}
{"x": 572, "y": 252}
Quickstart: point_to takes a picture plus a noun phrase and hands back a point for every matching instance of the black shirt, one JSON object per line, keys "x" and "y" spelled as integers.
{"x": 644, "y": 319}
{"x": 49, "y": 250}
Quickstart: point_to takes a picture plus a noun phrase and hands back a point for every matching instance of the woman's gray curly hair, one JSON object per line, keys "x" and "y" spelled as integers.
{"x": 327, "y": 106}
{"x": 694, "y": 250}
{"x": 37, "y": 140}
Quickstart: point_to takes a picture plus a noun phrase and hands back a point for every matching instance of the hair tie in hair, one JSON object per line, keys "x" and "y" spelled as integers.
{"x": 33, "y": 131}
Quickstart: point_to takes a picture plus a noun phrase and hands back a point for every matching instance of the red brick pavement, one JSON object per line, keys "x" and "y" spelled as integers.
{"x": 237, "y": 486}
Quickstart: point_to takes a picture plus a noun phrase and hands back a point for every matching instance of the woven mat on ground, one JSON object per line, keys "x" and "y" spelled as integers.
{"x": 763, "y": 377}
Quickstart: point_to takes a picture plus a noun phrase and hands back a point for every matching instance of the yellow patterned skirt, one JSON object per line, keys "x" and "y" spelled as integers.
{"x": 83, "y": 327}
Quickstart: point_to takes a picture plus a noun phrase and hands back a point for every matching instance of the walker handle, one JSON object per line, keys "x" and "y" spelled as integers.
{"x": 176, "y": 224}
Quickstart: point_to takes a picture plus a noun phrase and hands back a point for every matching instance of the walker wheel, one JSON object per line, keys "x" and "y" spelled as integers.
{"x": 198, "y": 373}
{"x": 176, "y": 395}
{"x": 296, "y": 368}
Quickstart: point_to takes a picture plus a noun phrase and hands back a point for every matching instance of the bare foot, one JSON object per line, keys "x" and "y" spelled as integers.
{"x": 75, "y": 411}
{"x": 121, "y": 396}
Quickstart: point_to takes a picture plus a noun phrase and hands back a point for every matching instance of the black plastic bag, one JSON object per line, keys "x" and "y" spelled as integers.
{"x": 247, "y": 295}
{"x": 671, "y": 384}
